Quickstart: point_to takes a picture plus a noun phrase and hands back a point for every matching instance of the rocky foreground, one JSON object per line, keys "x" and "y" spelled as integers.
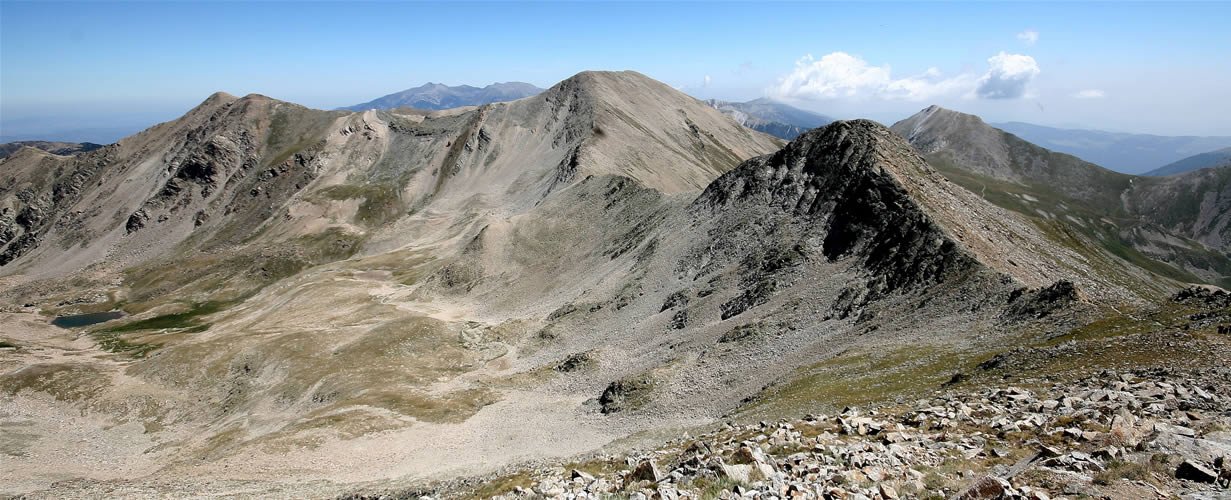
{"x": 1139, "y": 434}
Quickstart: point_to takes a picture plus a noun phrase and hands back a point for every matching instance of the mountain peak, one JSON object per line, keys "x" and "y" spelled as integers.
{"x": 878, "y": 195}
{"x": 935, "y": 112}
{"x": 220, "y": 96}
{"x": 434, "y": 96}
{"x": 612, "y": 112}
{"x": 610, "y": 79}
{"x": 935, "y": 130}
{"x": 845, "y": 146}
{"x": 214, "y": 101}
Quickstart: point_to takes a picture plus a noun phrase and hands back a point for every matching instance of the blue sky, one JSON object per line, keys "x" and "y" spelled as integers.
{"x": 1138, "y": 67}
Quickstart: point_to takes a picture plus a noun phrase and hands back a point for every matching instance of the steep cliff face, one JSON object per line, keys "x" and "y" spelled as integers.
{"x": 835, "y": 181}
{"x": 868, "y": 195}
{"x": 35, "y": 197}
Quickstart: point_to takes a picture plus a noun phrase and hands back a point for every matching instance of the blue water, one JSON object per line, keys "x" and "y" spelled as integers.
{"x": 80, "y": 320}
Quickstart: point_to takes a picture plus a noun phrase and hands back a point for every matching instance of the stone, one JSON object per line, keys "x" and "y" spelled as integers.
{"x": 647, "y": 470}
{"x": 740, "y": 473}
{"x": 1195, "y": 448}
{"x": 1124, "y": 428}
{"x": 748, "y": 455}
{"x": 1108, "y": 453}
{"x": 1048, "y": 451}
{"x": 1195, "y": 471}
{"x": 1163, "y": 427}
{"x": 987, "y": 487}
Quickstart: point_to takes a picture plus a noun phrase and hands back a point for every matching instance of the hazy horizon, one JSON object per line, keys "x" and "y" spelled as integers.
{"x": 86, "y": 71}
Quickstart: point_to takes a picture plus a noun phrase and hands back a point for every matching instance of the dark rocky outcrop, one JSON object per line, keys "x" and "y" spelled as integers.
{"x": 62, "y": 183}
{"x": 836, "y": 182}
{"x": 626, "y": 394}
{"x": 1034, "y": 304}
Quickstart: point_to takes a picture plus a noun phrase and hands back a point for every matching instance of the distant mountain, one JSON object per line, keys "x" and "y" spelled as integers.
{"x": 57, "y": 148}
{"x": 1212, "y": 159}
{"x": 1128, "y": 153}
{"x": 772, "y": 117}
{"x": 439, "y": 96}
{"x": 1174, "y": 226}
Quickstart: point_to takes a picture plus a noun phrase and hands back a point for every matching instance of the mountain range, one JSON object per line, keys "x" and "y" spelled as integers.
{"x": 282, "y": 301}
{"x": 772, "y": 117}
{"x": 1123, "y": 152}
{"x": 437, "y": 96}
{"x": 1213, "y": 159}
{"x": 57, "y": 148}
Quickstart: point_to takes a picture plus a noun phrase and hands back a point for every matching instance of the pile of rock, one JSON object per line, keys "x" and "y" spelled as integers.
{"x": 1144, "y": 434}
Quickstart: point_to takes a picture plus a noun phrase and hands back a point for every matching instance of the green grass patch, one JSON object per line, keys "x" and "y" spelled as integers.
{"x": 503, "y": 485}
{"x": 183, "y": 320}
{"x": 295, "y": 128}
{"x": 708, "y": 488}
{"x": 1115, "y": 324}
{"x": 854, "y": 379}
{"x": 380, "y": 201}
{"x": 1117, "y": 470}
{"x": 1103, "y": 223}
{"x": 116, "y": 343}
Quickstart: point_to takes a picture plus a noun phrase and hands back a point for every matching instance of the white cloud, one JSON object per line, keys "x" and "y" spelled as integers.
{"x": 706, "y": 81}
{"x": 841, "y": 75}
{"x": 1007, "y": 77}
{"x": 1090, "y": 94}
{"x": 1029, "y": 37}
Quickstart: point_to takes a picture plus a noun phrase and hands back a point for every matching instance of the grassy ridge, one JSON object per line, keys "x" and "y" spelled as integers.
{"x": 1068, "y": 221}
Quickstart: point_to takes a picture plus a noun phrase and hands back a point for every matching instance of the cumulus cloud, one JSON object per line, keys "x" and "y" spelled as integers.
{"x": 706, "y": 81}
{"x": 1029, "y": 37}
{"x": 1090, "y": 94}
{"x": 841, "y": 75}
{"x": 1007, "y": 76}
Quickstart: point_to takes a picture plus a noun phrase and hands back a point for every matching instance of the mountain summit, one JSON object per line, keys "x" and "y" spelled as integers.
{"x": 437, "y": 96}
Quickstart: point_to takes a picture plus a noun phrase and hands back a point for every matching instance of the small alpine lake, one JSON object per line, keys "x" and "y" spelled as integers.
{"x": 80, "y": 320}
